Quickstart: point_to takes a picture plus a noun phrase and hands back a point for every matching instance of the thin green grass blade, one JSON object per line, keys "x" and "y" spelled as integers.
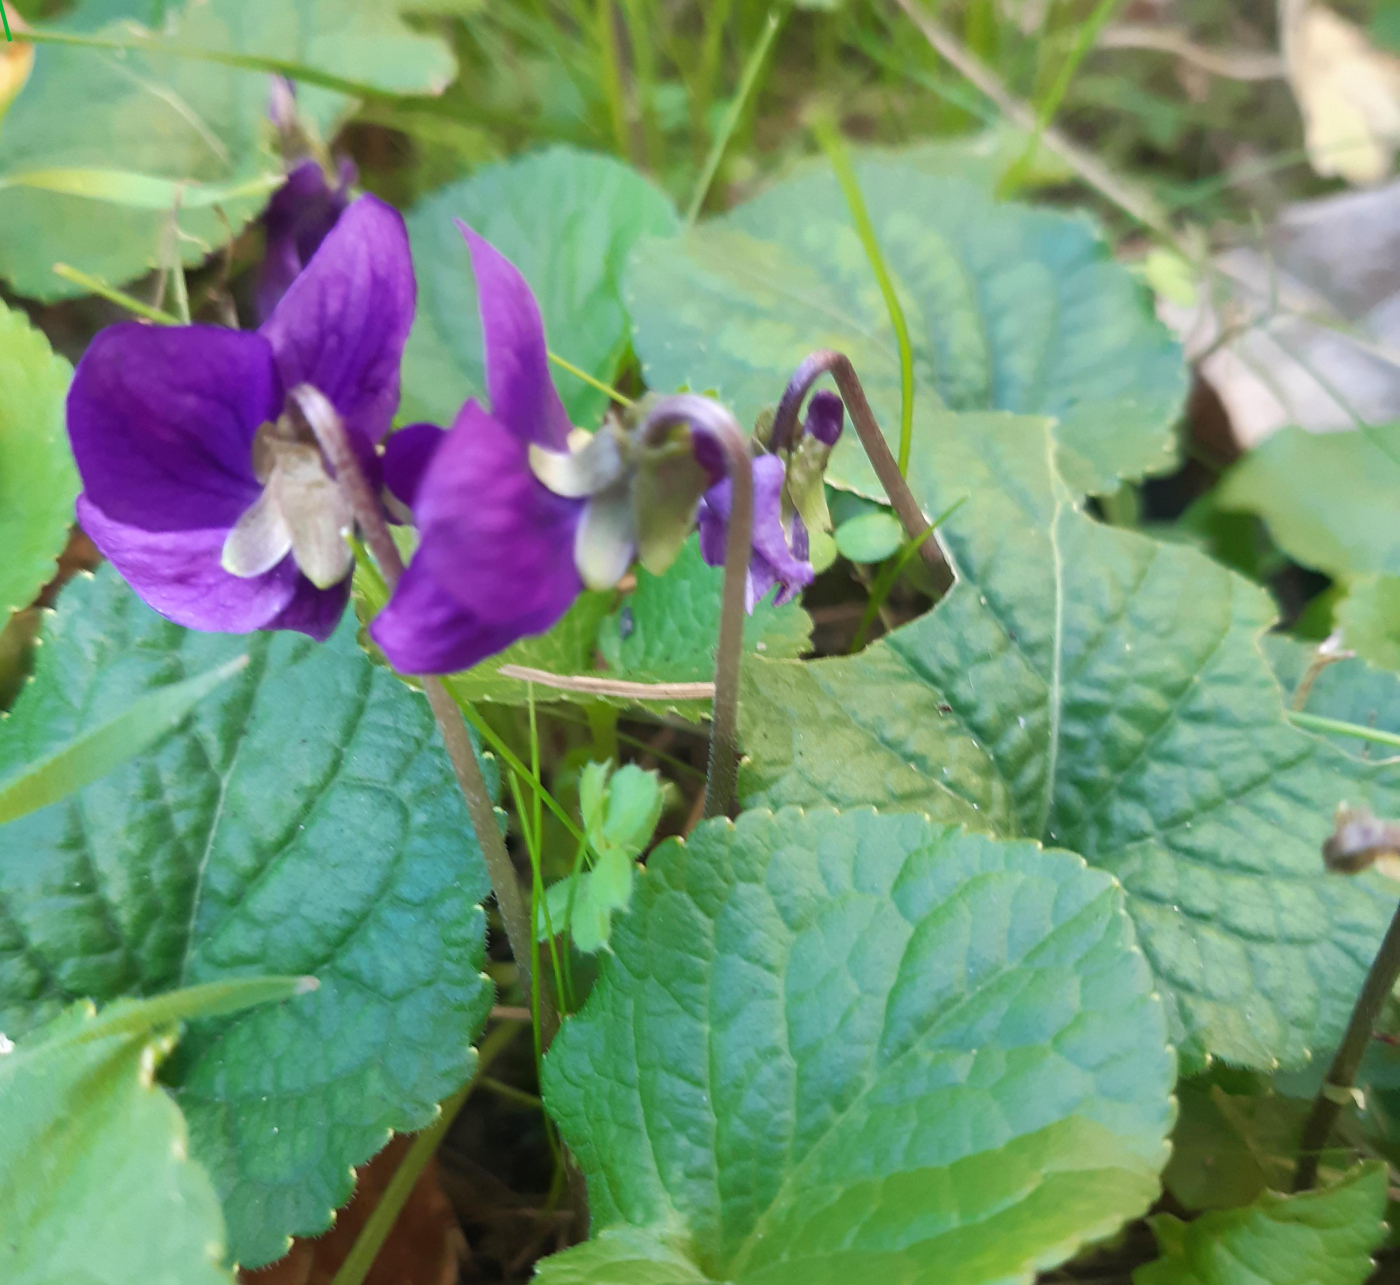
{"x": 97, "y": 752}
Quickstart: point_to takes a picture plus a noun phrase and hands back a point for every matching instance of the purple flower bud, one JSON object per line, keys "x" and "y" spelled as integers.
{"x": 779, "y": 552}
{"x": 297, "y": 219}
{"x": 825, "y": 417}
{"x": 496, "y": 553}
{"x": 196, "y": 485}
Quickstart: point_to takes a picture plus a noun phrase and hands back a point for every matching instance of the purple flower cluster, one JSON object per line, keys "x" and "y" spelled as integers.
{"x": 204, "y": 484}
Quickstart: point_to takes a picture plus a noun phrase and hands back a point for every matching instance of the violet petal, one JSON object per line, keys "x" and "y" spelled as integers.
{"x": 422, "y": 630}
{"x": 406, "y": 457}
{"x": 342, "y": 325}
{"x": 493, "y": 536}
{"x": 313, "y": 611}
{"x": 523, "y": 397}
{"x": 162, "y": 423}
{"x": 772, "y": 559}
{"x": 298, "y": 218}
{"x": 826, "y": 415}
{"x": 179, "y": 575}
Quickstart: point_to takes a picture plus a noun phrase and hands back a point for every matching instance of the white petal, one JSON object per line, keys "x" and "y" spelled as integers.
{"x": 260, "y": 539}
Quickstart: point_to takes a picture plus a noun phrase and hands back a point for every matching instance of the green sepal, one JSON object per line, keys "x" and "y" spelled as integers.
{"x": 666, "y": 487}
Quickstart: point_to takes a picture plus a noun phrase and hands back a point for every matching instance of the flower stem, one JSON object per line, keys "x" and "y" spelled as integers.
{"x": 709, "y": 417}
{"x": 330, "y": 434}
{"x": 877, "y": 450}
{"x": 1341, "y": 1075}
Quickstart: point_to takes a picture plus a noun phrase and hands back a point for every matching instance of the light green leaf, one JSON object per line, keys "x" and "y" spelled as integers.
{"x": 620, "y": 811}
{"x": 872, "y": 537}
{"x": 96, "y": 1184}
{"x": 567, "y": 220}
{"x": 38, "y": 482}
{"x": 1008, "y": 307}
{"x": 835, "y": 1048}
{"x": 665, "y": 630}
{"x": 1369, "y": 618}
{"x": 584, "y": 905}
{"x": 96, "y": 752}
{"x": 1331, "y": 500}
{"x": 302, "y": 820}
{"x": 1316, "y": 1238}
{"x": 161, "y": 123}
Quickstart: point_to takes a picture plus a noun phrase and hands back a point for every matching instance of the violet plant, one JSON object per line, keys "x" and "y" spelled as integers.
{"x": 940, "y": 963}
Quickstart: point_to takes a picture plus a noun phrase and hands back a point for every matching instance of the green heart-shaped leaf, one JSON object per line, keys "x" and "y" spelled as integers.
{"x": 836, "y": 1048}
{"x": 303, "y": 819}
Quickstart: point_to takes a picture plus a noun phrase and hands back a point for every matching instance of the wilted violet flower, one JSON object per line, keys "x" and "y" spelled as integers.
{"x": 298, "y": 218}
{"x": 779, "y": 554}
{"x": 496, "y": 553}
{"x": 199, "y": 484}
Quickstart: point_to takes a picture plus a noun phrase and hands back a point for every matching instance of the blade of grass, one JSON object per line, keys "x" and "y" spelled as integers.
{"x": 620, "y": 398}
{"x": 1087, "y": 35}
{"x": 747, "y": 81}
{"x": 609, "y": 60}
{"x": 104, "y": 748}
{"x": 711, "y": 51}
{"x": 831, "y": 142}
{"x": 512, "y": 760}
{"x": 95, "y": 285}
{"x": 1335, "y": 726}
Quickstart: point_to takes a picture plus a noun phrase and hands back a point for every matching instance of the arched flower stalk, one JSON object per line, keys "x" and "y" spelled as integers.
{"x": 713, "y": 421}
{"x": 877, "y": 450}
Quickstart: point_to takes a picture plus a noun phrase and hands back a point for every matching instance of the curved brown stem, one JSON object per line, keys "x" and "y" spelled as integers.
{"x": 707, "y": 416}
{"x": 323, "y": 421}
{"x": 877, "y": 450}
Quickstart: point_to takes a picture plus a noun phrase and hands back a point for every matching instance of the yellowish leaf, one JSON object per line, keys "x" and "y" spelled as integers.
{"x": 1347, "y": 90}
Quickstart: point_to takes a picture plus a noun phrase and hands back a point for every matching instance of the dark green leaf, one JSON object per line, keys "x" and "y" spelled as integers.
{"x": 836, "y": 1048}
{"x": 302, "y": 820}
{"x": 1091, "y": 688}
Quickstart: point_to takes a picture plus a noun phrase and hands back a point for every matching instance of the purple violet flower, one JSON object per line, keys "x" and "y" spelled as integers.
{"x": 779, "y": 555}
{"x": 297, "y": 219}
{"x": 198, "y": 485}
{"x": 496, "y": 553}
